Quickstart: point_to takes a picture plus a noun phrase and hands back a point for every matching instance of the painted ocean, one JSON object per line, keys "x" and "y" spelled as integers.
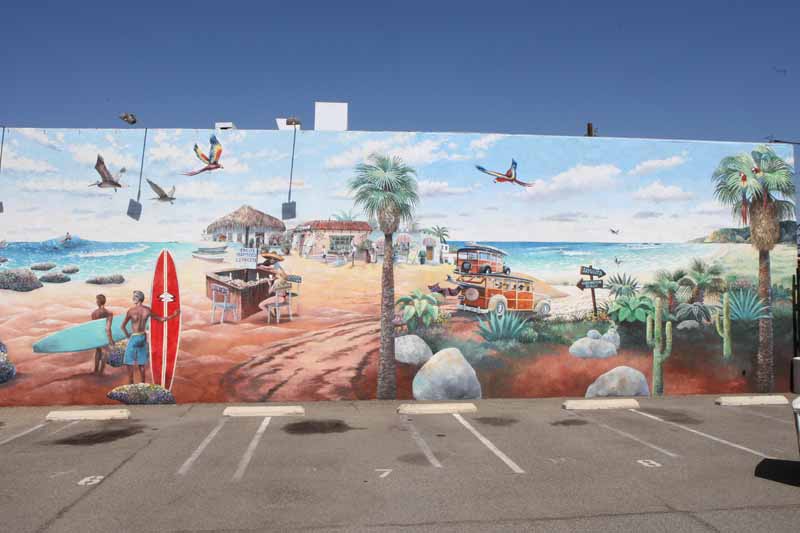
{"x": 564, "y": 259}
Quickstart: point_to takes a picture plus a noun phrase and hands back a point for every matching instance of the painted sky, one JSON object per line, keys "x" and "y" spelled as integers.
{"x": 654, "y": 191}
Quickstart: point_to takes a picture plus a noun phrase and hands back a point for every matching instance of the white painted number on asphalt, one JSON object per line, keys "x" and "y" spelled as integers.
{"x": 91, "y": 480}
{"x": 386, "y": 471}
{"x": 649, "y": 463}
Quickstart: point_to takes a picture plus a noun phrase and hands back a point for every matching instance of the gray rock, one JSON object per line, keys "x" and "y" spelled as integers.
{"x": 612, "y": 336}
{"x": 589, "y": 348}
{"x": 7, "y": 368}
{"x": 593, "y": 334}
{"x": 619, "y": 381}
{"x": 54, "y": 277}
{"x": 3, "y": 259}
{"x": 43, "y": 266}
{"x": 70, "y": 269}
{"x": 106, "y": 280}
{"x": 446, "y": 376}
{"x": 412, "y": 350}
{"x": 19, "y": 279}
{"x": 141, "y": 394}
{"x": 689, "y": 325}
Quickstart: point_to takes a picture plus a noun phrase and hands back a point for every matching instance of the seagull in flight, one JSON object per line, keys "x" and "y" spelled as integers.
{"x": 107, "y": 181}
{"x": 617, "y": 260}
{"x": 162, "y": 196}
{"x": 614, "y": 231}
{"x": 211, "y": 160}
{"x": 509, "y": 177}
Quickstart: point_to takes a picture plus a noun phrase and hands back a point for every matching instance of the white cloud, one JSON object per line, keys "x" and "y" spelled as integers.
{"x": 484, "y": 142}
{"x": 53, "y": 184}
{"x": 577, "y": 179}
{"x": 17, "y": 163}
{"x": 87, "y": 154}
{"x": 202, "y": 190}
{"x": 163, "y": 151}
{"x": 40, "y": 137}
{"x": 266, "y": 154}
{"x": 401, "y": 145}
{"x": 573, "y": 216}
{"x": 276, "y": 185}
{"x": 234, "y": 166}
{"x": 658, "y": 192}
{"x": 648, "y": 214}
{"x": 654, "y": 165}
{"x": 346, "y": 194}
{"x": 440, "y": 188}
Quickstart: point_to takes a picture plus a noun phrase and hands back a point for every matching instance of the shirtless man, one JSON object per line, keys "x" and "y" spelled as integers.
{"x": 136, "y": 352}
{"x": 101, "y": 358}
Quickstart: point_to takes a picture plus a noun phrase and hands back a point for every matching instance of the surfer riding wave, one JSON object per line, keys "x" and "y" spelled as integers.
{"x": 136, "y": 353}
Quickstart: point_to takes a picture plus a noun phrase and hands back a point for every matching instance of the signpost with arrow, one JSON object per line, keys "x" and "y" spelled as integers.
{"x": 591, "y": 283}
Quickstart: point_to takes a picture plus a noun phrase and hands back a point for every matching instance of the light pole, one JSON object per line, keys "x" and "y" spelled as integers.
{"x": 289, "y": 208}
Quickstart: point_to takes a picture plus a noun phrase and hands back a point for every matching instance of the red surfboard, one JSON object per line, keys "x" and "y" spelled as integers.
{"x": 164, "y": 336}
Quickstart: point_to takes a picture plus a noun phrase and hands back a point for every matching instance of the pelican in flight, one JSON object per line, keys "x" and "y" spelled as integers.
{"x": 211, "y": 160}
{"x": 509, "y": 177}
{"x": 107, "y": 181}
{"x": 162, "y": 196}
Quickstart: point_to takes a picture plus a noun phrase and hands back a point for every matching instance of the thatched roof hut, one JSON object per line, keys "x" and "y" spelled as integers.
{"x": 245, "y": 219}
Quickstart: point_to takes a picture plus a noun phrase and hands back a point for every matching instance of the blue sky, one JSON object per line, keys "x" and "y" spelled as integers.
{"x": 655, "y": 191}
{"x": 678, "y": 69}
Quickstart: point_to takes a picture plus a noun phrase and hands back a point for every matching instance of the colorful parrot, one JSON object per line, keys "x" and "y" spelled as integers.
{"x": 509, "y": 177}
{"x": 744, "y": 197}
{"x": 211, "y": 161}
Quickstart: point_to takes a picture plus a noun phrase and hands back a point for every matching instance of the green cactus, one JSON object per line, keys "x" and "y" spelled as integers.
{"x": 659, "y": 334}
{"x": 723, "y": 324}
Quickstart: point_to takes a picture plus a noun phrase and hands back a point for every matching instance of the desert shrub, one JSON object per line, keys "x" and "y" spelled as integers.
{"x": 418, "y": 309}
{"x": 622, "y": 285}
{"x": 528, "y": 335}
{"x": 746, "y": 305}
{"x": 507, "y": 327}
{"x": 780, "y": 292}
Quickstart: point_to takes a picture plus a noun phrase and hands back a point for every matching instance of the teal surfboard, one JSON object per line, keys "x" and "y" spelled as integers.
{"x": 86, "y": 336}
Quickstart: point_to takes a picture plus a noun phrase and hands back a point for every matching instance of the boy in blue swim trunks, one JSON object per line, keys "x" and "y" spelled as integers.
{"x": 136, "y": 353}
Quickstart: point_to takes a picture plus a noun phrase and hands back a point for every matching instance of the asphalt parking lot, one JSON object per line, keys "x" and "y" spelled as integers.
{"x": 676, "y": 464}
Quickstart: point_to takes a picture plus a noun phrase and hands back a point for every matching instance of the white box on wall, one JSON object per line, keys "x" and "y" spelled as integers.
{"x": 330, "y": 116}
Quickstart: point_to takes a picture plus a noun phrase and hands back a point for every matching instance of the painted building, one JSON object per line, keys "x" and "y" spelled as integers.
{"x": 335, "y": 236}
{"x": 248, "y": 226}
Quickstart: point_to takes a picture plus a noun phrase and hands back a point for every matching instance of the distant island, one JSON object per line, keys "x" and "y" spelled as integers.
{"x": 742, "y": 235}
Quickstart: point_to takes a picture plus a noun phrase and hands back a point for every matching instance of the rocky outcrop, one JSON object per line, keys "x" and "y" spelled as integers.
{"x": 106, "y": 280}
{"x": 54, "y": 277}
{"x": 619, "y": 381}
{"x": 595, "y": 346}
{"x": 141, "y": 394}
{"x": 19, "y": 279}
{"x": 446, "y": 376}
{"x": 788, "y": 229}
{"x": 43, "y": 266}
{"x": 412, "y": 350}
{"x": 70, "y": 269}
{"x": 7, "y": 368}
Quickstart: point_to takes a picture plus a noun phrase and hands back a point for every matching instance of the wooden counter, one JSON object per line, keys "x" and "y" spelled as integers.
{"x": 245, "y": 299}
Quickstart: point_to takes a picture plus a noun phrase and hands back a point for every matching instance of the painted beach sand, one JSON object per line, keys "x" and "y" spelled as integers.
{"x": 678, "y": 313}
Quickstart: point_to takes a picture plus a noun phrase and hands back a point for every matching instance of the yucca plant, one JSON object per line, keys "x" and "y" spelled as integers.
{"x": 418, "y": 309}
{"x": 621, "y": 285}
{"x": 509, "y": 327}
{"x": 747, "y": 306}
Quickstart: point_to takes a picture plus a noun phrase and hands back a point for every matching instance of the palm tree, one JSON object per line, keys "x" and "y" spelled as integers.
{"x": 386, "y": 190}
{"x": 703, "y": 277}
{"x": 666, "y": 285}
{"x": 344, "y": 216}
{"x": 759, "y": 184}
{"x": 440, "y": 232}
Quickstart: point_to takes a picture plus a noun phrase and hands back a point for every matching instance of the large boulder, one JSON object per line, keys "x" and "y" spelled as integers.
{"x": 43, "y": 266}
{"x": 54, "y": 277}
{"x": 593, "y": 346}
{"x": 619, "y": 381}
{"x": 689, "y": 325}
{"x": 7, "y": 368}
{"x": 612, "y": 336}
{"x": 446, "y": 376}
{"x": 412, "y": 350}
{"x": 141, "y": 394}
{"x": 106, "y": 280}
{"x": 3, "y": 259}
{"x": 19, "y": 279}
{"x": 70, "y": 269}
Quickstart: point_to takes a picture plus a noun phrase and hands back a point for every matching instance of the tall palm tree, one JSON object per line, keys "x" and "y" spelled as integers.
{"x": 703, "y": 277}
{"x": 440, "y": 232}
{"x": 666, "y": 285}
{"x": 759, "y": 184}
{"x": 386, "y": 190}
{"x": 344, "y": 216}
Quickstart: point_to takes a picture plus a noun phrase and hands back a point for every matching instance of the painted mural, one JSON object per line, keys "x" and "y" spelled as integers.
{"x": 154, "y": 266}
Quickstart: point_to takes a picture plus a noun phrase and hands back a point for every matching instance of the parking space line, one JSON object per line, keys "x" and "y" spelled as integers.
{"x": 486, "y": 442}
{"x": 706, "y": 435}
{"x": 762, "y": 415}
{"x": 18, "y": 435}
{"x": 426, "y": 450}
{"x": 62, "y": 428}
{"x": 251, "y": 449}
{"x": 637, "y": 439}
{"x": 192, "y": 458}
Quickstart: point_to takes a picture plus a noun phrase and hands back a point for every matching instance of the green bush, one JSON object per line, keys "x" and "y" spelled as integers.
{"x": 630, "y": 309}
{"x": 746, "y": 305}
{"x": 528, "y": 335}
{"x": 508, "y": 327}
{"x": 418, "y": 309}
